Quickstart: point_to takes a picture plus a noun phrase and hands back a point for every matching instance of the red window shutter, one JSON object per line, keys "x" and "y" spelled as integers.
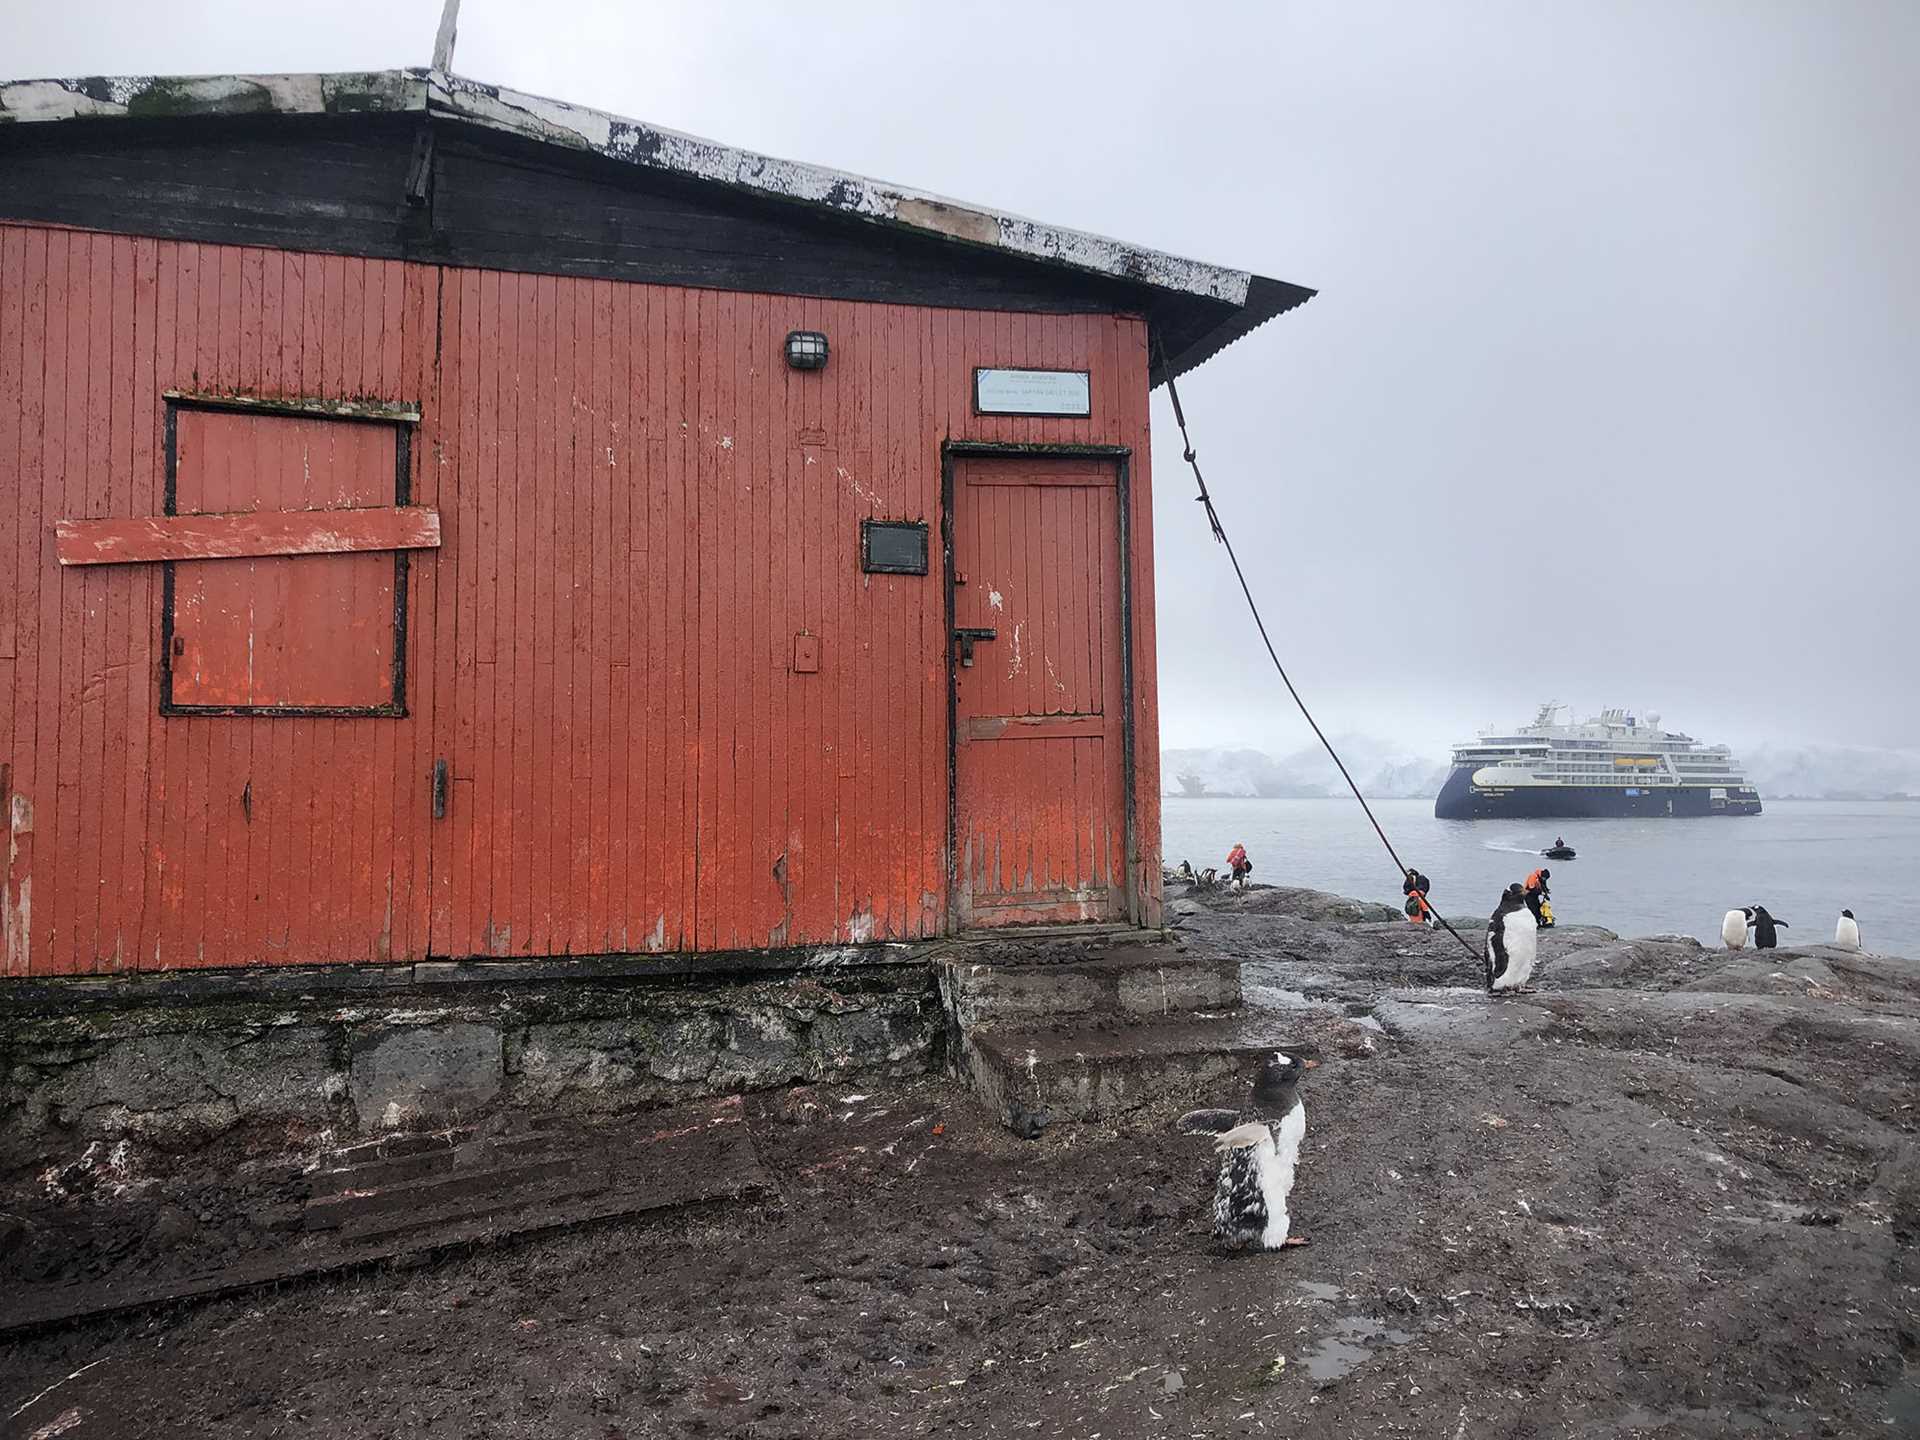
{"x": 297, "y": 632}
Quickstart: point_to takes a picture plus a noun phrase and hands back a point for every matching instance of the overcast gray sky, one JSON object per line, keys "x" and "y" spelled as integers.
{"x": 1610, "y": 394}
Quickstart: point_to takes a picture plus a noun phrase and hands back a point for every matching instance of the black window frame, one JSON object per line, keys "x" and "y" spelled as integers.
{"x": 402, "y": 419}
{"x": 871, "y": 566}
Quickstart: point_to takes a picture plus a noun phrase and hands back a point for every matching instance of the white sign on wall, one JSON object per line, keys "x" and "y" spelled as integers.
{"x": 1032, "y": 392}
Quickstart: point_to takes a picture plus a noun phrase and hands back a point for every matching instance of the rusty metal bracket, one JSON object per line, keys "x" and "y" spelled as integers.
{"x": 967, "y": 636}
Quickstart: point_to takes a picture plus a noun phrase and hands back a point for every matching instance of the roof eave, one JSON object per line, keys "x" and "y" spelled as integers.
{"x": 1253, "y": 299}
{"x": 1266, "y": 300}
{"x": 672, "y": 152}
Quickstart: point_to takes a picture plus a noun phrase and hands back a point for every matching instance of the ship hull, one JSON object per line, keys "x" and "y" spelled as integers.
{"x": 1461, "y": 799}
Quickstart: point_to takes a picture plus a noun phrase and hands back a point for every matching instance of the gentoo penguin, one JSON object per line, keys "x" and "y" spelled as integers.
{"x": 1846, "y": 931}
{"x": 1733, "y": 929}
{"x": 1258, "y": 1151}
{"x": 1763, "y": 923}
{"x": 1512, "y": 940}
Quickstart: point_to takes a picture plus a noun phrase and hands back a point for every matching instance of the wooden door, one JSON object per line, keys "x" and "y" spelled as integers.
{"x": 1039, "y": 713}
{"x": 283, "y": 678}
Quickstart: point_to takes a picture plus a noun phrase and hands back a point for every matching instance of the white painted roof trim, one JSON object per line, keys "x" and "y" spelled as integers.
{"x": 635, "y": 142}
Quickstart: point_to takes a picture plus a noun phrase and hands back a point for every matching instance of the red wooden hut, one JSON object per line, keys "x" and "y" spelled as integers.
{"x": 440, "y": 521}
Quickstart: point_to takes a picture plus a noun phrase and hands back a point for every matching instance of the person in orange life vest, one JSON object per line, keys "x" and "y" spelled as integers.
{"x": 1415, "y": 888}
{"x": 1537, "y": 890}
{"x": 1239, "y": 866}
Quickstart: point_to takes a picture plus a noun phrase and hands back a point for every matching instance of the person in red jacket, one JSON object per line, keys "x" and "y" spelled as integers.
{"x": 1239, "y": 867}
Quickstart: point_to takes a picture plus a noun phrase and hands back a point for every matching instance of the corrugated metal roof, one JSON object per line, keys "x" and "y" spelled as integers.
{"x": 1232, "y": 301}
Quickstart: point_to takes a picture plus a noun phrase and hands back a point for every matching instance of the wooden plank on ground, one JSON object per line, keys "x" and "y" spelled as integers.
{"x": 405, "y": 1203}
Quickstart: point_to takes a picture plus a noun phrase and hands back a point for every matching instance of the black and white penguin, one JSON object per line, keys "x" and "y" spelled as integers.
{"x": 1846, "y": 931}
{"x": 1259, "y": 1150}
{"x": 1733, "y": 929}
{"x": 1763, "y": 923}
{"x": 1513, "y": 938}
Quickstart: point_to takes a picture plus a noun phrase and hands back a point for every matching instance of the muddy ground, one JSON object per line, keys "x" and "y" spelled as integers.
{"x": 1674, "y": 1193}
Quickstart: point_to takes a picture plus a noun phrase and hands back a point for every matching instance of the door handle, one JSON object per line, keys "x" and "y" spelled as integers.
{"x": 439, "y": 789}
{"x": 967, "y": 637}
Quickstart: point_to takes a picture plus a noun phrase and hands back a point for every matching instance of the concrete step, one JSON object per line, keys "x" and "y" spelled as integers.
{"x": 994, "y": 990}
{"x": 1089, "y": 1070}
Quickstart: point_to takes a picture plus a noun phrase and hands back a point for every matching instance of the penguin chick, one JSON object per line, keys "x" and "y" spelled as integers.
{"x": 1259, "y": 1150}
{"x": 1846, "y": 931}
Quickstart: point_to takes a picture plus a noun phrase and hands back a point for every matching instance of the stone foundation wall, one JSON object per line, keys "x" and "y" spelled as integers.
{"x": 179, "y": 1064}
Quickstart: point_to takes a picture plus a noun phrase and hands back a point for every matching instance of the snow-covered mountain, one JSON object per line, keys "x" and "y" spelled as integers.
{"x": 1831, "y": 772}
{"x": 1383, "y": 770}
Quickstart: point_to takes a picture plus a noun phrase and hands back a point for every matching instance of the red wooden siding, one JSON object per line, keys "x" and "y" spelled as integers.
{"x": 641, "y": 509}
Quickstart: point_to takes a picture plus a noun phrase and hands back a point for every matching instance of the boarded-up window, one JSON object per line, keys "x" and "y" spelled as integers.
{"x": 286, "y": 634}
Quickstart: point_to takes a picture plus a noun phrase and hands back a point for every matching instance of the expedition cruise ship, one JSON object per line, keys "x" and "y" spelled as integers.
{"x": 1615, "y": 764}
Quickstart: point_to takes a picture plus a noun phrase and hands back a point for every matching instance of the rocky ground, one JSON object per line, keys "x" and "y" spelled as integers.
{"x": 1676, "y": 1192}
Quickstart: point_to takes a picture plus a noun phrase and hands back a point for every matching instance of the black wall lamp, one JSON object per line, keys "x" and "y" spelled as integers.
{"x": 807, "y": 350}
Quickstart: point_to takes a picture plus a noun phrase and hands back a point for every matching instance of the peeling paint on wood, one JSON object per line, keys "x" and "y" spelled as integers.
{"x": 164, "y": 96}
{"x": 145, "y": 539}
{"x": 18, "y": 903}
{"x": 359, "y": 409}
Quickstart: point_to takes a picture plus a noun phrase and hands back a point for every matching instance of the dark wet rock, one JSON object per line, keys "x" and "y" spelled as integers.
{"x": 1306, "y": 904}
{"x": 172, "y": 1226}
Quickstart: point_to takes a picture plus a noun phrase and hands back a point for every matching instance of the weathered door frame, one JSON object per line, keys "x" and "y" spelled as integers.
{"x": 403, "y": 419}
{"x": 1121, "y": 457}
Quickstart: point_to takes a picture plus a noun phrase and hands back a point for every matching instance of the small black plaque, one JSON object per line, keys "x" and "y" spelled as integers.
{"x": 893, "y": 547}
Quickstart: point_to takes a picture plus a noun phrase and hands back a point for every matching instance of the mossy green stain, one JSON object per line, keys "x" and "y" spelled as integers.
{"x": 165, "y": 97}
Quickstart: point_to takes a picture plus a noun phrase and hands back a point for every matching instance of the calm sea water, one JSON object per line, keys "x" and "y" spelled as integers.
{"x": 1803, "y": 860}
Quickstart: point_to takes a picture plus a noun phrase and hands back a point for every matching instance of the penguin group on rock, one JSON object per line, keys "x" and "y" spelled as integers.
{"x": 1259, "y": 1150}
{"x": 1513, "y": 941}
{"x": 1755, "y": 922}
